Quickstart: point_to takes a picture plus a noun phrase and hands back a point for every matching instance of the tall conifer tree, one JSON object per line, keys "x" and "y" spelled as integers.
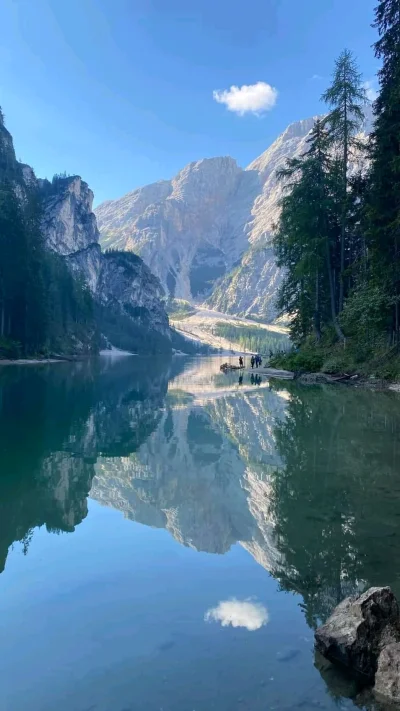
{"x": 345, "y": 97}
{"x": 384, "y": 199}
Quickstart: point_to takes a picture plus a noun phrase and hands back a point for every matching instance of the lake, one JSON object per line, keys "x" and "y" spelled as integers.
{"x": 170, "y": 536}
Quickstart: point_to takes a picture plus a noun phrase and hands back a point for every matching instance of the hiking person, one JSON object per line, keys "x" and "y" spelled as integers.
{"x": 253, "y": 360}
{"x": 240, "y": 362}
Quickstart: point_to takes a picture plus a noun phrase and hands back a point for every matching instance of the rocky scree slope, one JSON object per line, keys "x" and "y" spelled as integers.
{"x": 207, "y": 232}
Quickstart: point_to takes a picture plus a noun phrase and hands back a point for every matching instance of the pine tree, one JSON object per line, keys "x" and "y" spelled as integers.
{"x": 13, "y": 265}
{"x": 303, "y": 241}
{"x": 345, "y": 97}
{"x": 383, "y": 203}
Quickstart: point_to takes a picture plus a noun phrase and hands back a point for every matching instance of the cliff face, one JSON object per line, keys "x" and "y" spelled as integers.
{"x": 189, "y": 230}
{"x": 127, "y": 287}
{"x": 127, "y": 294}
{"x": 127, "y": 297}
{"x": 207, "y": 233}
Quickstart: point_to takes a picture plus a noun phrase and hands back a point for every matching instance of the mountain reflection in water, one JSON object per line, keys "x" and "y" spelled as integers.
{"x": 307, "y": 480}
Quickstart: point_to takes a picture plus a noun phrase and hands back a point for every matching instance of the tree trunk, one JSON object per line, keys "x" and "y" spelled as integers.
{"x": 338, "y": 330}
{"x": 344, "y": 215}
{"x": 317, "y": 315}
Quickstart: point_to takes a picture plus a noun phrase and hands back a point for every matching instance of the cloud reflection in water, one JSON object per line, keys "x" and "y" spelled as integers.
{"x": 239, "y": 613}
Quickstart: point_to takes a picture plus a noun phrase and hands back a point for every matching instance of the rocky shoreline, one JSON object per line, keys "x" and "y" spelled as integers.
{"x": 363, "y": 636}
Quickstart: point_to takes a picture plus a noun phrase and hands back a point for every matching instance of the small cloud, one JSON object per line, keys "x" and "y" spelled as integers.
{"x": 370, "y": 89}
{"x": 252, "y": 98}
{"x": 252, "y": 615}
{"x": 316, "y": 77}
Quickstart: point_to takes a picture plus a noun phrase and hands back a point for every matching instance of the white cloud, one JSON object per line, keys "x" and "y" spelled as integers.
{"x": 316, "y": 77}
{"x": 370, "y": 90}
{"x": 237, "y": 613}
{"x": 253, "y": 98}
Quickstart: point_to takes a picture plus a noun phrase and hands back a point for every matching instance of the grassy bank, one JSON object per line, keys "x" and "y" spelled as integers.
{"x": 376, "y": 359}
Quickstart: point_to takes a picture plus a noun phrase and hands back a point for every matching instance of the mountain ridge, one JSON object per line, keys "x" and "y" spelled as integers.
{"x": 206, "y": 233}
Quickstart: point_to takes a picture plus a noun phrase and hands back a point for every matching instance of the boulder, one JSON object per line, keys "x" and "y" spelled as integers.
{"x": 358, "y": 629}
{"x": 387, "y": 678}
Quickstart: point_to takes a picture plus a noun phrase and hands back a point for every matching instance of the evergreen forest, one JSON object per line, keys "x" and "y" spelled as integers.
{"x": 338, "y": 237}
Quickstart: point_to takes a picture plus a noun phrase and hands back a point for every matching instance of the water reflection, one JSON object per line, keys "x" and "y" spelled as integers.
{"x": 336, "y": 500}
{"x": 305, "y": 479}
{"x": 54, "y": 423}
{"x": 239, "y": 613}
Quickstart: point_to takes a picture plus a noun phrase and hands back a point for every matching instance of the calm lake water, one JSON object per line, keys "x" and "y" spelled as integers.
{"x": 170, "y": 537}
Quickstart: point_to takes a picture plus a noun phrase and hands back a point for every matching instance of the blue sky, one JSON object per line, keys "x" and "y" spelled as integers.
{"x": 121, "y": 91}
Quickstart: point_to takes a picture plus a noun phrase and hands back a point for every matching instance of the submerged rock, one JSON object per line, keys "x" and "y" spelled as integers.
{"x": 358, "y": 629}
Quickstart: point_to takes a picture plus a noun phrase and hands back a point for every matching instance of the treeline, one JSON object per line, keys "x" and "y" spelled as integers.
{"x": 338, "y": 238}
{"x": 252, "y": 338}
{"x": 43, "y": 309}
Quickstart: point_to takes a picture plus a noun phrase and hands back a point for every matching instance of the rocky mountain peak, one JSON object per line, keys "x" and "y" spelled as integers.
{"x": 285, "y": 146}
{"x": 206, "y": 175}
{"x": 207, "y": 233}
{"x": 299, "y": 129}
{"x": 69, "y": 223}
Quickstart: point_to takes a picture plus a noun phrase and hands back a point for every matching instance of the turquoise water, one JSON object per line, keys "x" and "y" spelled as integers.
{"x": 170, "y": 537}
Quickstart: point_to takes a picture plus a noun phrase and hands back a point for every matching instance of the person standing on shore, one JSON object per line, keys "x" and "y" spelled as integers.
{"x": 252, "y": 361}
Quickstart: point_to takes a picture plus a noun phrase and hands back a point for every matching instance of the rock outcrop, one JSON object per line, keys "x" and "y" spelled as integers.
{"x": 387, "y": 678}
{"x": 129, "y": 297}
{"x": 207, "y": 232}
{"x": 363, "y": 634}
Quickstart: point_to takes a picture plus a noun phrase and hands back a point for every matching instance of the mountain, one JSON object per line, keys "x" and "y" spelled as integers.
{"x": 129, "y": 297}
{"x": 207, "y": 232}
{"x": 125, "y": 298}
{"x": 188, "y": 230}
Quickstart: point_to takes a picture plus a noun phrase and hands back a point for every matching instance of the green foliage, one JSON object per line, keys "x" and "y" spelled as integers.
{"x": 42, "y": 307}
{"x": 307, "y": 359}
{"x": 252, "y": 338}
{"x": 306, "y": 232}
{"x": 70, "y": 314}
{"x": 339, "y": 235}
{"x": 345, "y": 98}
{"x": 179, "y": 309}
{"x": 383, "y": 214}
{"x": 9, "y": 349}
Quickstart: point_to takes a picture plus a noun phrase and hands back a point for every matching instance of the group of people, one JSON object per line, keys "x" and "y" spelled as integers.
{"x": 256, "y": 360}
